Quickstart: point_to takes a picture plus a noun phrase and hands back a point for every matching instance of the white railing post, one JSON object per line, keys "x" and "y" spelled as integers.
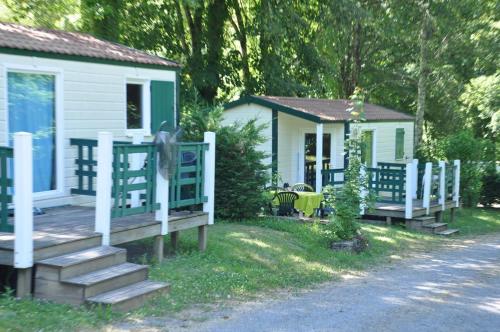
{"x": 162, "y": 191}
{"x": 104, "y": 183}
{"x": 409, "y": 191}
{"x": 442, "y": 184}
{"x": 135, "y": 164}
{"x": 209, "y": 174}
{"x": 415, "y": 178}
{"x": 23, "y": 200}
{"x": 363, "y": 191}
{"x": 426, "y": 199}
{"x": 319, "y": 157}
{"x": 456, "y": 185}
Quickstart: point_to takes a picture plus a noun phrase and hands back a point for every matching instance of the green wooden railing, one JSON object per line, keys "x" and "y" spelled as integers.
{"x": 333, "y": 177}
{"x": 126, "y": 180}
{"x": 449, "y": 181}
{"x": 85, "y": 166}
{"x": 185, "y": 186}
{"x": 397, "y": 166}
{"x": 435, "y": 182}
{"x": 310, "y": 171}
{"x": 420, "y": 180}
{"x": 6, "y": 186}
{"x": 388, "y": 184}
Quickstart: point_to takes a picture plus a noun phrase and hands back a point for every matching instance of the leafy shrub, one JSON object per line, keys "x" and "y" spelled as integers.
{"x": 476, "y": 155}
{"x": 240, "y": 176}
{"x": 490, "y": 193}
{"x": 347, "y": 200}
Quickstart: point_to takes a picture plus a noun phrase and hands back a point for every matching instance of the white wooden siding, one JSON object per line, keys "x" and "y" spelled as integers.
{"x": 385, "y": 140}
{"x": 244, "y": 113}
{"x": 291, "y": 135}
{"x": 94, "y": 100}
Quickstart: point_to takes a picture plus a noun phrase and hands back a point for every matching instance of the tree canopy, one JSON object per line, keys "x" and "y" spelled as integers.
{"x": 439, "y": 57}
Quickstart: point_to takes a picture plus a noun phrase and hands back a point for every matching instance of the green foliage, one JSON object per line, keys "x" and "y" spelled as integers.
{"x": 240, "y": 176}
{"x": 476, "y": 156}
{"x": 36, "y": 315}
{"x": 354, "y": 194}
{"x": 490, "y": 193}
{"x": 481, "y": 105}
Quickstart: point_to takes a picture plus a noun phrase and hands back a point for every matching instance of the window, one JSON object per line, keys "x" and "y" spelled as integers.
{"x": 134, "y": 106}
{"x": 367, "y": 148}
{"x": 400, "y": 143}
{"x": 32, "y": 108}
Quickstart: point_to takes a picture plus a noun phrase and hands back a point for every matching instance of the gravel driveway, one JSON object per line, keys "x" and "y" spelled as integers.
{"x": 451, "y": 289}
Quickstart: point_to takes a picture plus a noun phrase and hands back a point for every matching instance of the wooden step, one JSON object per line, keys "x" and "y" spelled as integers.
{"x": 425, "y": 220}
{"x": 81, "y": 262}
{"x": 107, "y": 279}
{"x": 448, "y": 232}
{"x": 130, "y": 297}
{"x": 435, "y": 227}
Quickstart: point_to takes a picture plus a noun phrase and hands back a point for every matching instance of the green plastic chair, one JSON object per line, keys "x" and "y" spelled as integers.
{"x": 286, "y": 201}
{"x": 302, "y": 187}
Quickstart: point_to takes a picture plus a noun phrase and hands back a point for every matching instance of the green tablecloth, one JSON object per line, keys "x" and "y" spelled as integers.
{"x": 307, "y": 202}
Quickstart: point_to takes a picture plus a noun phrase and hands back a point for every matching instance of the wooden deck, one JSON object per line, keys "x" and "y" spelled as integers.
{"x": 398, "y": 210}
{"x": 69, "y": 228}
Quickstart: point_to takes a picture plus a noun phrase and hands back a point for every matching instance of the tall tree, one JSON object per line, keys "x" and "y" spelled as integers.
{"x": 425, "y": 36}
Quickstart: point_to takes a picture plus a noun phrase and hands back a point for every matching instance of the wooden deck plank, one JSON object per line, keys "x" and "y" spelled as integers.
{"x": 66, "y": 224}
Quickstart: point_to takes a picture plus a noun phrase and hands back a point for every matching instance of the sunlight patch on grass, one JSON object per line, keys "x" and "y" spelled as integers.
{"x": 256, "y": 242}
{"x": 384, "y": 239}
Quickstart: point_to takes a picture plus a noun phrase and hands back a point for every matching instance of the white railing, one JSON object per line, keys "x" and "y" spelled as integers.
{"x": 209, "y": 173}
{"x": 409, "y": 191}
{"x": 23, "y": 200}
{"x": 428, "y": 181}
{"x": 104, "y": 184}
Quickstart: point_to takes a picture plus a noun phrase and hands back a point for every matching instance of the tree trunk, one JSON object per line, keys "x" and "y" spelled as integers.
{"x": 425, "y": 35}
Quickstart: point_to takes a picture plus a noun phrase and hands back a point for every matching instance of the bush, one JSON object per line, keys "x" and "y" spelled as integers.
{"x": 240, "y": 176}
{"x": 476, "y": 156}
{"x": 490, "y": 193}
{"x": 346, "y": 201}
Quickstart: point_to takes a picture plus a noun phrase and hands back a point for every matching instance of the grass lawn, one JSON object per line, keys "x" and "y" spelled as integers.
{"x": 476, "y": 221}
{"x": 242, "y": 260}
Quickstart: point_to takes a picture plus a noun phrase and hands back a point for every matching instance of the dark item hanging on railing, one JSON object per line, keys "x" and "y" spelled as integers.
{"x": 166, "y": 145}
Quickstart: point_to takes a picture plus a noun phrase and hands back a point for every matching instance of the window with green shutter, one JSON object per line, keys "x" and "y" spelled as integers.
{"x": 162, "y": 104}
{"x": 400, "y": 143}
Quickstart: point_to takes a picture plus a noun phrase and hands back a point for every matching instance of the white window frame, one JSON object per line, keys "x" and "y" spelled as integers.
{"x": 59, "y": 117}
{"x": 374, "y": 143}
{"x": 404, "y": 157}
{"x": 146, "y": 105}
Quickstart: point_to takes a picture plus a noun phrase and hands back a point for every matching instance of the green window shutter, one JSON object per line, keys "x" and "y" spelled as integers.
{"x": 400, "y": 143}
{"x": 162, "y": 104}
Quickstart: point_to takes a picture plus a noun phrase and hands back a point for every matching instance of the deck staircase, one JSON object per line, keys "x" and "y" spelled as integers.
{"x": 429, "y": 224}
{"x": 99, "y": 275}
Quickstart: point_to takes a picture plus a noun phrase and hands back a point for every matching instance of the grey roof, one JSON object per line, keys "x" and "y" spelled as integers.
{"x": 14, "y": 36}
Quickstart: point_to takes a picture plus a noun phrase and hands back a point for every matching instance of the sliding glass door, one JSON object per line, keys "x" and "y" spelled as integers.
{"x": 32, "y": 108}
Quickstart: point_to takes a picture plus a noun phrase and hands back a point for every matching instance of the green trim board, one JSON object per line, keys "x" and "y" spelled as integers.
{"x": 274, "y": 145}
{"x": 81, "y": 58}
